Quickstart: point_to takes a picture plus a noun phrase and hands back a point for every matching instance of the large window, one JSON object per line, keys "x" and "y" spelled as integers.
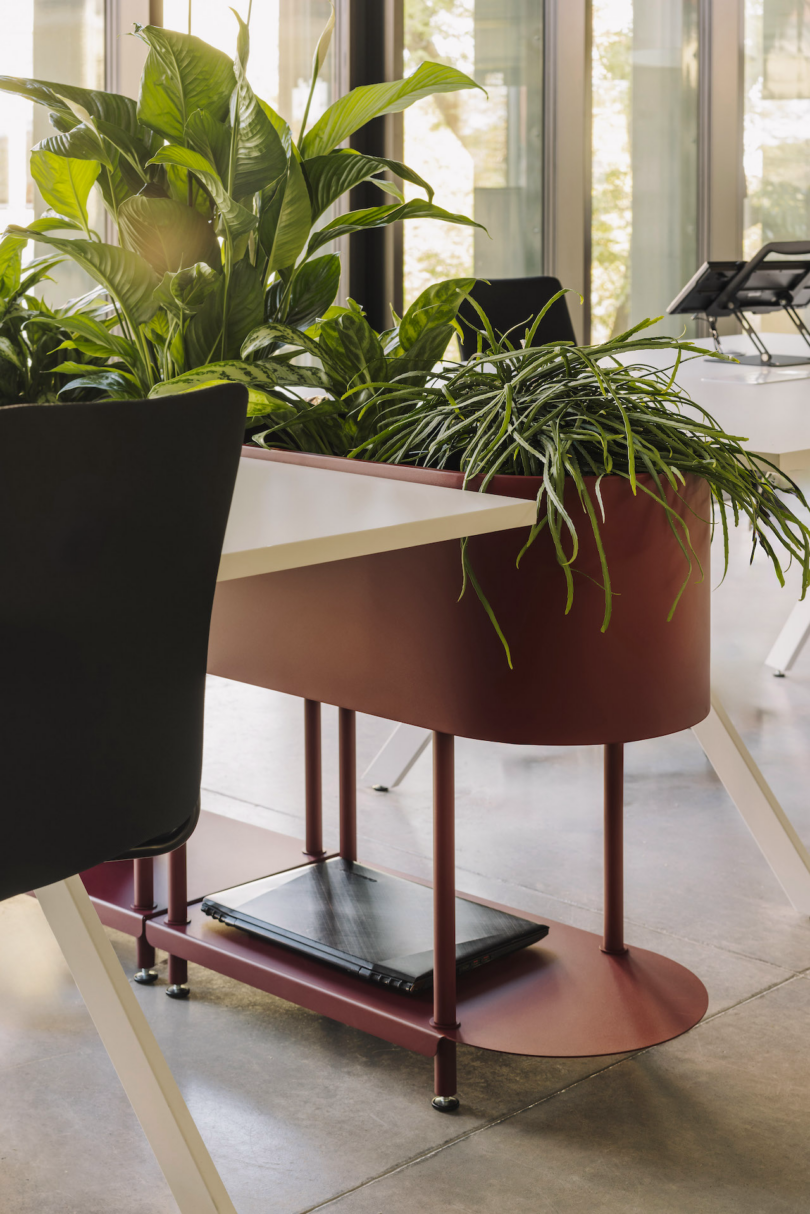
{"x": 482, "y": 153}
{"x": 777, "y": 126}
{"x": 61, "y": 40}
{"x": 644, "y": 159}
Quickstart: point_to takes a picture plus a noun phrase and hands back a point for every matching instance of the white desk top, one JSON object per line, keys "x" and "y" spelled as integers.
{"x": 773, "y": 414}
{"x": 284, "y": 516}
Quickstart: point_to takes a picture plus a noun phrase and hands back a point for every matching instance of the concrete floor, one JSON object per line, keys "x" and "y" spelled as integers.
{"x": 303, "y": 1114}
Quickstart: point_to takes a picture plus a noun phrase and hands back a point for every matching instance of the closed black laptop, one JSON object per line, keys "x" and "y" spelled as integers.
{"x": 366, "y": 922}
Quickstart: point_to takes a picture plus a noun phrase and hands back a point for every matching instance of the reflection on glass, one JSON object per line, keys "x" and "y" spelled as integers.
{"x": 777, "y": 127}
{"x": 61, "y": 40}
{"x": 482, "y": 154}
{"x": 283, "y": 37}
{"x": 644, "y": 160}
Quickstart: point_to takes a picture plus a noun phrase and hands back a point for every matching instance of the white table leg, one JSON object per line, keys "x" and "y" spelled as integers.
{"x": 764, "y": 816}
{"x": 392, "y": 764}
{"x": 792, "y": 639}
{"x": 136, "y": 1056}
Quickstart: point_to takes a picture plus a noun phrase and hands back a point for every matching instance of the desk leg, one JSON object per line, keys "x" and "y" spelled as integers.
{"x": 347, "y": 746}
{"x": 177, "y": 917}
{"x": 764, "y": 816}
{"x": 791, "y": 640}
{"x": 136, "y": 1056}
{"x": 143, "y": 872}
{"x": 444, "y": 919}
{"x": 313, "y": 846}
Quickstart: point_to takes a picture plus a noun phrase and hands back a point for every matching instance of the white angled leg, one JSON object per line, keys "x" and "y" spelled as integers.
{"x": 132, "y": 1048}
{"x": 792, "y": 639}
{"x": 764, "y": 816}
{"x": 392, "y": 764}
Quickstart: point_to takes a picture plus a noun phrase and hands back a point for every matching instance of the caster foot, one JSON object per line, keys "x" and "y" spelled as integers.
{"x": 145, "y": 976}
{"x": 779, "y": 674}
{"x": 379, "y": 788}
{"x": 178, "y": 990}
{"x": 445, "y": 1104}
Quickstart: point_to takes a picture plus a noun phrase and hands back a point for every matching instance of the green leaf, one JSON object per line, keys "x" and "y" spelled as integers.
{"x": 380, "y": 217}
{"x": 314, "y": 287}
{"x": 259, "y": 155}
{"x": 167, "y": 233}
{"x": 181, "y": 74}
{"x": 127, "y": 277}
{"x": 89, "y": 331}
{"x": 330, "y": 176}
{"x": 245, "y": 310}
{"x": 82, "y": 142}
{"x": 349, "y": 344}
{"x": 358, "y": 107}
{"x": 184, "y": 293}
{"x": 437, "y": 305}
{"x": 211, "y": 139}
{"x": 262, "y": 376}
{"x": 117, "y": 385}
{"x": 74, "y": 105}
{"x": 284, "y": 238}
{"x": 279, "y": 126}
{"x": 64, "y": 184}
{"x": 236, "y": 218}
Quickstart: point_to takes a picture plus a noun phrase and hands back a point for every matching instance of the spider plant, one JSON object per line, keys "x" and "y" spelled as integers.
{"x": 568, "y": 413}
{"x": 222, "y": 218}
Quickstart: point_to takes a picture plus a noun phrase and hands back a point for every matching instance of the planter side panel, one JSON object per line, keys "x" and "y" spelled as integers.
{"x": 386, "y": 634}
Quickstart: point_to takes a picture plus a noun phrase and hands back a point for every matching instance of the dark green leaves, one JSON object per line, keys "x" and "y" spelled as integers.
{"x": 169, "y": 235}
{"x": 380, "y": 217}
{"x": 437, "y": 305}
{"x": 330, "y": 176}
{"x": 129, "y": 279}
{"x": 285, "y": 220}
{"x": 259, "y": 156}
{"x": 182, "y": 74}
{"x": 358, "y": 107}
{"x": 235, "y": 218}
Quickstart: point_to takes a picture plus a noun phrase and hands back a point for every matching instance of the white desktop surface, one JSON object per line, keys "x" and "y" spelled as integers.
{"x": 773, "y": 416}
{"x": 284, "y": 516}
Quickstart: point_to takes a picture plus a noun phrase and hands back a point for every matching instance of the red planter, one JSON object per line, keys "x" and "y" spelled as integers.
{"x": 386, "y": 634}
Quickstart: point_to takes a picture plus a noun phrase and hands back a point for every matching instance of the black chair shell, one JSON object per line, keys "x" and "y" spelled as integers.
{"x": 510, "y": 302}
{"x": 112, "y": 517}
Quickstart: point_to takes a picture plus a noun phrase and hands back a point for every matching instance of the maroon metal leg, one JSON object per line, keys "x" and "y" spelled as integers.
{"x": 178, "y": 917}
{"x": 313, "y": 794}
{"x": 444, "y": 919}
{"x": 143, "y": 872}
{"x": 347, "y": 745}
{"x": 613, "y": 941}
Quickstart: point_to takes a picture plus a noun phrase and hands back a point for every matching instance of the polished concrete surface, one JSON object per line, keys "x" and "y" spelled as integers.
{"x": 303, "y": 1114}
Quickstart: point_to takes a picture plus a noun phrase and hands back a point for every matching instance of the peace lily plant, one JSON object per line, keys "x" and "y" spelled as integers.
{"x": 221, "y": 215}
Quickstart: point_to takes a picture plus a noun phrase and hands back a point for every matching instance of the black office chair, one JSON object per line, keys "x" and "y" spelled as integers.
{"x": 510, "y": 302}
{"x": 110, "y": 540}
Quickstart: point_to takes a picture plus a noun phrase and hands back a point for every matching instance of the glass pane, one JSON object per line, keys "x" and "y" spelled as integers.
{"x": 61, "y": 40}
{"x": 283, "y": 37}
{"x": 482, "y": 156}
{"x": 777, "y": 128}
{"x": 644, "y": 161}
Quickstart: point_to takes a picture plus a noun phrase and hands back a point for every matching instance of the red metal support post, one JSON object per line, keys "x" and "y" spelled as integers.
{"x": 613, "y": 941}
{"x": 313, "y": 846}
{"x": 143, "y": 880}
{"x": 178, "y": 917}
{"x": 444, "y": 917}
{"x": 347, "y": 745}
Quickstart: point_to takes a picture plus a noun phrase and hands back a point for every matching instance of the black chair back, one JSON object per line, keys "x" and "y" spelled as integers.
{"x": 515, "y": 301}
{"x": 112, "y": 517}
